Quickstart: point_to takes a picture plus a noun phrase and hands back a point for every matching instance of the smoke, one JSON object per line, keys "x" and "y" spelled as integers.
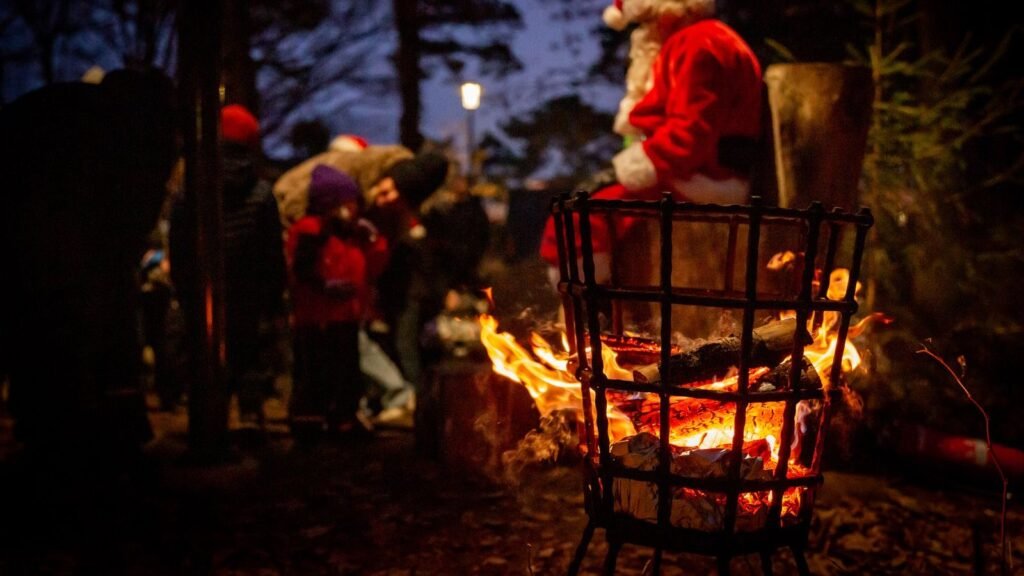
{"x": 555, "y": 441}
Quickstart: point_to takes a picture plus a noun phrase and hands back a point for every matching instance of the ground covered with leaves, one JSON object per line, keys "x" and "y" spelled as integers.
{"x": 382, "y": 507}
{"x": 379, "y": 507}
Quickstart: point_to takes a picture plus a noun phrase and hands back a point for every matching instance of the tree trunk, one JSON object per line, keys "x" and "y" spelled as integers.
{"x": 200, "y": 28}
{"x": 407, "y": 63}
{"x": 820, "y": 115}
{"x": 238, "y": 77}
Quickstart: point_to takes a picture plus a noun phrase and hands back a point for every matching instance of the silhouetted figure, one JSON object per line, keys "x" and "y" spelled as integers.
{"x": 254, "y": 269}
{"x": 457, "y": 237}
{"x": 157, "y": 294}
{"x": 459, "y": 233}
{"x": 406, "y": 284}
{"x": 84, "y": 168}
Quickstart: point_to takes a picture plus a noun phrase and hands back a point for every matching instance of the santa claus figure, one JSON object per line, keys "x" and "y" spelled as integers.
{"x": 692, "y": 111}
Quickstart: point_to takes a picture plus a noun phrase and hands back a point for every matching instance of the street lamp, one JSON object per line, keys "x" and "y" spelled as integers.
{"x": 471, "y": 93}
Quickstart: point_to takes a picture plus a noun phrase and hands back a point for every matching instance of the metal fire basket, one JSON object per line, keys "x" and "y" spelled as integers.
{"x": 821, "y": 234}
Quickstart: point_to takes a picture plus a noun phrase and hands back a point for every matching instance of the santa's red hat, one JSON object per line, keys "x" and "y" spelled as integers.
{"x": 348, "y": 143}
{"x": 238, "y": 125}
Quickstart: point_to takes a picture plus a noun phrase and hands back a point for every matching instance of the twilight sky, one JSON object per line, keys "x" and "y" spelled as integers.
{"x": 555, "y": 55}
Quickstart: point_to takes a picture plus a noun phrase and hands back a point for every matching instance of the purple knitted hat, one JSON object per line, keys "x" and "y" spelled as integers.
{"x": 329, "y": 188}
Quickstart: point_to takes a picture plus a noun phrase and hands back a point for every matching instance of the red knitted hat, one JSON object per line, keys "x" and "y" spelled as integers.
{"x": 238, "y": 125}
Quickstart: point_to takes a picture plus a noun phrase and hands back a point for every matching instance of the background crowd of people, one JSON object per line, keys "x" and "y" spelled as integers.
{"x": 337, "y": 257}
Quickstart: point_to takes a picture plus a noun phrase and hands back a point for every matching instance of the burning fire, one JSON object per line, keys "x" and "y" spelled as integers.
{"x": 545, "y": 373}
{"x": 695, "y": 424}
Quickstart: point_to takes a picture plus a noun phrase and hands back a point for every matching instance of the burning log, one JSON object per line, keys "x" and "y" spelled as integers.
{"x": 633, "y": 350}
{"x": 778, "y": 377}
{"x": 702, "y": 422}
{"x": 697, "y": 422}
{"x": 771, "y": 343}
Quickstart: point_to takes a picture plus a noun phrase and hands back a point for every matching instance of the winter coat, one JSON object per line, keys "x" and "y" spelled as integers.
{"x": 328, "y": 274}
{"x": 366, "y": 167}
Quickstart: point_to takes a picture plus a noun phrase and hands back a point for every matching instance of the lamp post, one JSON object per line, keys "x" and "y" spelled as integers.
{"x": 471, "y": 93}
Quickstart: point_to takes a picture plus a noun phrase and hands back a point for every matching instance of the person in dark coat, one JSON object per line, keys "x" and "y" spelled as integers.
{"x": 84, "y": 168}
{"x": 406, "y": 282}
{"x": 254, "y": 269}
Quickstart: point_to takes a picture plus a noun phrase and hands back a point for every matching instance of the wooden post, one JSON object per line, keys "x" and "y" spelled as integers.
{"x": 199, "y": 42}
{"x": 820, "y": 119}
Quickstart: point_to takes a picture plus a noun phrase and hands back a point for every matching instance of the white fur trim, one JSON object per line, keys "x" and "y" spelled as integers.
{"x": 667, "y": 11}
{"x": 633, "y": 169}
{"x": 346, "y": 143}
{"x": 703, "y": 190}
{"x": 622, "y": 126}
{"x": 614, "y": 19}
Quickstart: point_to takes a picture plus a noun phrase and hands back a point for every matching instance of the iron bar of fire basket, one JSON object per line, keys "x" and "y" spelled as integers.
{"x": 789, "y": 413}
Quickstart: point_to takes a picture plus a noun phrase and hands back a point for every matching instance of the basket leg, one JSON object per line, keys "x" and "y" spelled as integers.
{"x": 801, "y": 562}
{"x": 766, "y": 563}
{"x": 611, "y": 557}
{"x": 581, "y": 549}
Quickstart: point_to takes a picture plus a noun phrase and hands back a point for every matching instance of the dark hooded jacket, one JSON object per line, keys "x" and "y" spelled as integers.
{"x": 254, "y": 271}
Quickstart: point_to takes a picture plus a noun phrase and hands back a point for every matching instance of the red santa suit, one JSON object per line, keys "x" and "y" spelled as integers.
{"x": 693, "y": 95}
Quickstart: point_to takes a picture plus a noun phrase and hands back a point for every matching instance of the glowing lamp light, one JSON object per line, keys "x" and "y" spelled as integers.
{"x": 471, "y": 93}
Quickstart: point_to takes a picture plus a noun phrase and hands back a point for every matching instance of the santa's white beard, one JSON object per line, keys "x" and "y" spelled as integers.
{"x": 644, "y": 44}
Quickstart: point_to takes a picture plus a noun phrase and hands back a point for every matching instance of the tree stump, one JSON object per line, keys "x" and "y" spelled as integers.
{"x": 820, "y": 119}
{"x": 467, "y": 416}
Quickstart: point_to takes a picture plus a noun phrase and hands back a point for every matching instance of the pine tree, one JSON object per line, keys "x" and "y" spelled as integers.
{"x": 941, "y": 259}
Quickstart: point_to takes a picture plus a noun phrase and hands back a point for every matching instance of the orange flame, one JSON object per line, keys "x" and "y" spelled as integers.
{"x": 545, "y": 373}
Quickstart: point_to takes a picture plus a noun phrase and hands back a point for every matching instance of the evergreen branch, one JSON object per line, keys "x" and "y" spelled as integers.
{"x": 997, "y": 55}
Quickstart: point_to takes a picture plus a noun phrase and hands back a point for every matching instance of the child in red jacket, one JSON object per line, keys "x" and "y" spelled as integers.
{"x": 329, "y": 287}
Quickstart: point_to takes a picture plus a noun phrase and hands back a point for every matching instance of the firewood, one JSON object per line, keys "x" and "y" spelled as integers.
{"x": 771, "y": 343}
{"x": 778, "y": 377}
